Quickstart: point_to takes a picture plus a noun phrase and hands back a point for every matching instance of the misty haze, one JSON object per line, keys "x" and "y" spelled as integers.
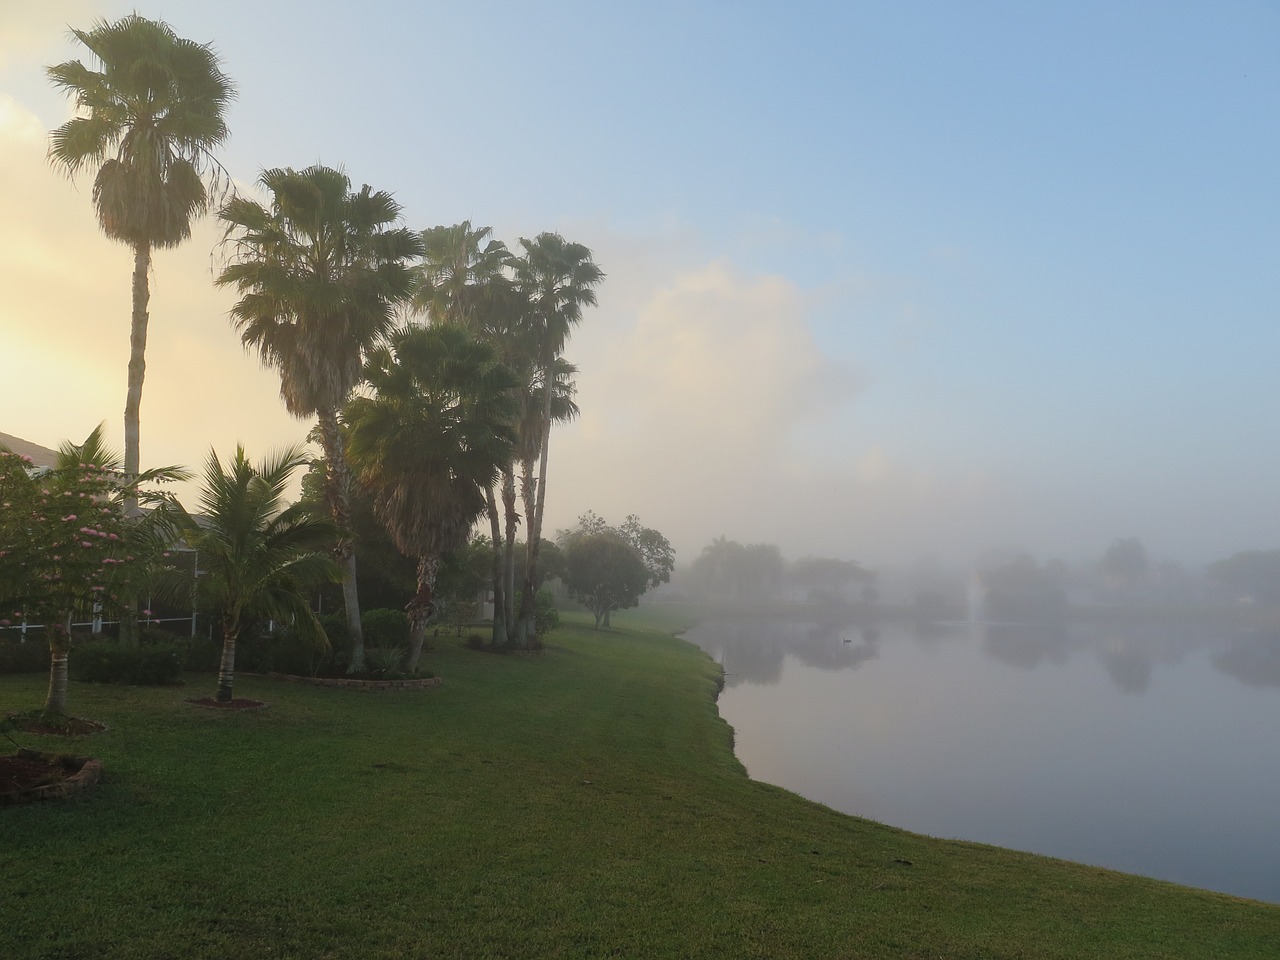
{"x": 566, "y": 424}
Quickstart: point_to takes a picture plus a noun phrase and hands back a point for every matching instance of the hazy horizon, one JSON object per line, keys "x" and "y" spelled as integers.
{"x": 883, "y": 281}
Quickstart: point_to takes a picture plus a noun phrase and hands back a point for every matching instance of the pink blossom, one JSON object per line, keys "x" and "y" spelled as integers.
{"x": 4, "y": 623}
{"x": 85, "y": 543}
{"x": 70, "y": 516}
{"x": 146, "y": 613}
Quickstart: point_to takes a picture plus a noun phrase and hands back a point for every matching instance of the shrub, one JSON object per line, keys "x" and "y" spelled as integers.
{"x": 385, "y": 663}
{"x": 384, "y": 627}
{"x": 545, "y": 615}
{"x": 153, "y": 665}
{"x": 29, "y": 656}
{"x": 335, "y": 628}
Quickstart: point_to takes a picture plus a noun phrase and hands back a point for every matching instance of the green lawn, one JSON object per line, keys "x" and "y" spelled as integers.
{"x": 580, "y": 803}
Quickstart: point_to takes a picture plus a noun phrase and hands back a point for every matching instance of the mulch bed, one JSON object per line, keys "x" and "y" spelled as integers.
{"x": 234, "y": 704}
{"x": 30, "y": 775}
{"x": 65, "y": 727}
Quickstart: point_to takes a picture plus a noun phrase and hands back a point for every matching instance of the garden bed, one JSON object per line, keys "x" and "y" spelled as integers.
{"x": 32, "y": 775}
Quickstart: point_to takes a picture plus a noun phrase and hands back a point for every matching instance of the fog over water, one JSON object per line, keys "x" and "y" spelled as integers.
{"x": 1140, "y": 749}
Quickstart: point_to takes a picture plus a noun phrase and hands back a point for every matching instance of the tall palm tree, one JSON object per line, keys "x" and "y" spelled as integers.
{"x": 462, "y": 281}
{"x": 557, "y": 278}
{"x": 148, "y": 118}
{"x": 320, "y": 273}
{"x": 258, "y": 557}
{"x": 428, "y": 442}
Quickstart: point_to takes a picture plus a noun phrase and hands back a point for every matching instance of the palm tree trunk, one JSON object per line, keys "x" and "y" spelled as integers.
{"x": 59, "y": 647}
{"x": 337, "y": 489}
{"x": 525, "y": 631}
{"x": 497, "y": 572}
{"x": 421, "y": 606}
{"x": 133, "y": 411}
{"x": 227, "y": 666}
{"x": 509, "y": 550}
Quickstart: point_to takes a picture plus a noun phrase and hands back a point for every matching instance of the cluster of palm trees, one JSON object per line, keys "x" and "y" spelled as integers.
{"x": 439, "y": 419}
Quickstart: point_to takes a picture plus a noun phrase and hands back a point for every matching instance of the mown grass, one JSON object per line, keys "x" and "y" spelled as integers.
{"x": 580, "y": 803}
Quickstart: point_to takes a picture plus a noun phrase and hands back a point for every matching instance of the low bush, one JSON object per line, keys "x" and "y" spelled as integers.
{"x": 545, "y": 615}
{"x": 384, "y": 627}
{"x": 153, "y": 664}
{"x": 385, "y": 663}
{"x": 24, "y": 656}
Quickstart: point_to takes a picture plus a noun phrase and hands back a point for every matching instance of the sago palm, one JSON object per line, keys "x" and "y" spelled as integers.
{"x": 320, "y": 272}
{"x": 259, "y": 557}
{"x": 428, "y": 442}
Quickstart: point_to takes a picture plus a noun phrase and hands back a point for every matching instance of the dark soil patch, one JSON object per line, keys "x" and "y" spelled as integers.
{"x": 37, "y": 722}
{"x": 30, "y": 775}
{"x": 235, "y": 704}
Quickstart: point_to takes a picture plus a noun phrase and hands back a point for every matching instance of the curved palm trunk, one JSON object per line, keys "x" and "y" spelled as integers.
{"x": 420, "y": 607}
{"x": 337, "y": 488}
{"x": 525, "y": 632}
{"x": 497, "y": 572}
{"x": 133, "y": 410}
{"x": 227, "y": 666}
{"x": 59, "y": 647}
{"x": 509, "y": 550}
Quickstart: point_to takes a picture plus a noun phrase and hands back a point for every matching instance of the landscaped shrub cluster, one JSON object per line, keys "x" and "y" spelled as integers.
{"x": 155, "y": 663}
{"x": 29, "y": 656}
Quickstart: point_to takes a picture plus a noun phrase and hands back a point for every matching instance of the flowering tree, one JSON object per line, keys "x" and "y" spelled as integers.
{"x": 66, "y": 547}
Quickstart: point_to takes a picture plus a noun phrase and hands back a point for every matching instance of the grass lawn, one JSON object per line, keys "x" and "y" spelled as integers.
{"x": 580, "y": 803}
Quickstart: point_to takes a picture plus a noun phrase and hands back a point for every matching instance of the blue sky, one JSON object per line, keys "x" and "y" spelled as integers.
{"x": 932, "y": 277}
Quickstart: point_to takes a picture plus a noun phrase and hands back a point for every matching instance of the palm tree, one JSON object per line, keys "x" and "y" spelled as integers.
{"x": 557, "y": 279}
{"x": 258, "y": 557}
{"x": 459, "y": 281}
{"x": 320, "y": 273}
{"x": 428, "y": 443}
{"x": 462, "y": 282}
{"x": 148, "y": 119}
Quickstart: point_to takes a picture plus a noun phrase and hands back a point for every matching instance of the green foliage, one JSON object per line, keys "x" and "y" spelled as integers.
{"x": 18, "y": 656}
{"x": 149, "y": 117}
{"x": 545, "y": 615}
{"x": 335, "y": 628}
{"x": 383, "y": 627}
{"x": 604, "y": 572}
{"x": 152, "y": 664}
{"x": 67, "y": 546}
{"x": 385, "y": 663}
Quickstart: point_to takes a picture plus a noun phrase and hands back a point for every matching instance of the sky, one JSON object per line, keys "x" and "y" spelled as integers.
{"x": 885, "y": 280}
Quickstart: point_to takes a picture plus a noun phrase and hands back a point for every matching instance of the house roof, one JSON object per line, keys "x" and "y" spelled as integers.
{"x": 40, "y": 456}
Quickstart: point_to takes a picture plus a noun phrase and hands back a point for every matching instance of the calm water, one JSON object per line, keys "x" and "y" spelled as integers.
{"x": 1148, "y": 750}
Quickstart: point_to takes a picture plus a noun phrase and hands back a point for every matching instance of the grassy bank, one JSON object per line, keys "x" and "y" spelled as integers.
{"x": 581, "y": 803}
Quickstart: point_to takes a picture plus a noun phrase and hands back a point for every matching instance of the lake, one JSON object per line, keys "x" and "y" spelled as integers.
{"x": 1147, "y": 749}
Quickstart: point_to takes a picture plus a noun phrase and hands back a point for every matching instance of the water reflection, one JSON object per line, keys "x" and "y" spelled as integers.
{"x": 1133, "y": 745}
{"x": 755, "y": 651}
{"x": 1253, "y": 659}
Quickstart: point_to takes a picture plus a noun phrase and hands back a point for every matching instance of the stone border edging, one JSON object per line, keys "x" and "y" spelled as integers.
{"x": 89, "y": 773}
{"x": 383, "y": 686}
